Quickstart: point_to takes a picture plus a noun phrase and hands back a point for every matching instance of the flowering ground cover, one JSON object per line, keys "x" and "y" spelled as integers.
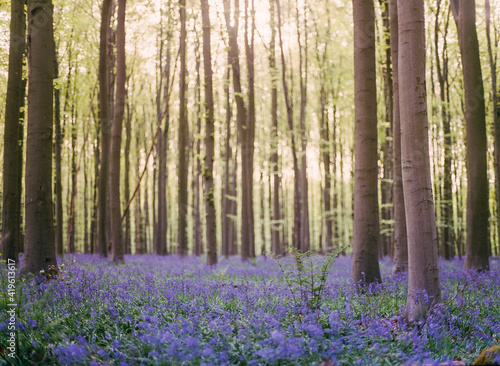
{"x": 172, "y": 311}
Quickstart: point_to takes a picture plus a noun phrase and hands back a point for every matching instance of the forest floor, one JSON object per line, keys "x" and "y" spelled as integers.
{"x": 176, "y": 311}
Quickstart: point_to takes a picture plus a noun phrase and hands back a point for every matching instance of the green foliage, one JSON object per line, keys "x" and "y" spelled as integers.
{"x": 306, "y": 274}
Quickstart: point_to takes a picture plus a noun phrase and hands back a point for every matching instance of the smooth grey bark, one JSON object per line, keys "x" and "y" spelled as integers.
{"x": 386, "y": 189}
{"x": 183, "y": 140}
{"x": 93, "y": 222}
{"x": 424, "y": 288}
{"x": 198, "y": 245}
{"x": 400, "y": 254}
{"x": 162, "y": 142}
{"x": 138, "y": 216}
{"x": 477, "y": 242}
{"x": 242, "y": 122}
{"x": 365, "y": 267}
{"x": 57, "y": 162}
{"x": 12, "y": 169}
{"x": 496, "y": 111}
{"x": 126, "y": 188}
{"x": 105, "y": 122}
{"x": 247, "y": 136}
{"x": 446, "y": 237}
{"x": 226, "y": 203}
{"x": 40, "y": 251}
{"x": 211, "y": 225}
{"x": 72, "y": 186}
{"x": 304, "y": 235}
{"x": 117, "y": 247}
{"x": 276, "y": 242}
{"x": 86, "y": 247}
{"x": 289, "y": 112}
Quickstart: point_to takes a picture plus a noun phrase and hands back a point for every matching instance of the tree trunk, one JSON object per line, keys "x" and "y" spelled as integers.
{"x": 182, "y": 142}
{"x": 40, "y": 251}
{"x": 138, "y": 220}
{"x": 325, "y": 155}
{"x": 242, "y": 122}
{"x": 386, "y": 209}
{"x": 296, "y": 171}
{"x": 12, "y": 170}
{"x": 233, "y": 208}
{"x": 477, "y": 242}
{"x": 104, "y": 116}
{"x": 86, "y": 249}
{"x": 324, "y": 131}
{"x": 334, "y": 183}
{"x": 366, "y": 221}
{"x": 155, "y": 192}
{"x": 70, "y": 227}
{"x": 262, "y": 214}
{"x": 211, "y": 228}
{"x": 116, "y": 135}
{"x": 226, "y": 203}
{"x": 304, "y": 189}
{"x": 229, "y": 202}
{"x": 496, "y": 115}
{"x": 400, "y": 254}
{"x": 424, "y": 287}
{"x": 126, "y": 187}
{"x": 162, "y": 143}
{"x": 58, "y": 162}
{"x": 276, "y": 245}
{"x": 198, "y": 246}
{"x": 447, "y": 204}
{"x": 145, "y": 237}
{"x": 93, "y": 222}
{"x": 247, "y": 145}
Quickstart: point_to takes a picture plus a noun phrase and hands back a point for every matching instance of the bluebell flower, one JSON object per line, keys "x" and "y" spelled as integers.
{"x": 32, "y": 323}
{"x": 70, "y": 354}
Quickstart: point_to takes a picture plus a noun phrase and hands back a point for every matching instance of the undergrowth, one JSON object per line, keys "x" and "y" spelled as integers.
{"x": 148, "y": 312}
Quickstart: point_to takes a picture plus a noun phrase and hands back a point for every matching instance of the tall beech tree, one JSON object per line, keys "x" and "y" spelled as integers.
{"x": 289, "y": 113}
{"x": 57, "y": 162}
{"x": 40, "y": 251}
{"x": 327, "y": 134}
{"x": 198, "y": 245}
{"x": 304, "y": 184}
{"x": 116, "y": 231}
{"x": 12, "y": 168}
{"x": 400, "y": 255}
{"x": 93, "y": 221}
{"x": 182, "y": 241}
{"x": 496, "y": 108}
{"x": 163, "y": 106}
{"x": 442, "y": 67}
{"x": 365, "y": 267}
{"x": 276, "y": 247}
{"x": 386, "y": 189}
{"x": 69, "y": 113}
{"x": 126, "y": 189}
{"x": 105, "y": 122}
{"x": 247, "y": 132}
{"x": 232, "y": 25}
{"x": 140, "y": 243}
{"x": 162, "y": 159}
{"x": 424, "y": 288}
{"x": 208, "y": 169}
{"x": 228, "y": 201}
{"x": 477, "y": 242}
